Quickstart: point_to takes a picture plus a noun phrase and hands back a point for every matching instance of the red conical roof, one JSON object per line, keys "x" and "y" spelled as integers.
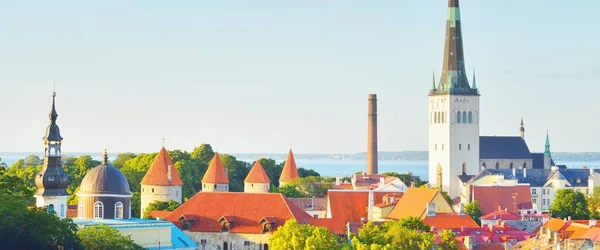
{"x": 158, "y": 174}
{"x": 257, "y": 174}
{"x": 290, "y": 171}
{"x": 215, "y": 172}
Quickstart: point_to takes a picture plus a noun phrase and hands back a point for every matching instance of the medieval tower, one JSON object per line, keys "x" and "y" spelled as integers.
{"x": 453, "y": 114}
{"x": 161, "y": 182}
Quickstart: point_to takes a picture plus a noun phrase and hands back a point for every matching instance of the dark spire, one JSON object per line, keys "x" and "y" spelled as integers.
{"x": 453, "y": 79}
{"x": 53, "y": 132}
{"x": 522, "y": 129}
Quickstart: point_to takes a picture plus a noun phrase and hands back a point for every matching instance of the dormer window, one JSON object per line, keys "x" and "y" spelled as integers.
{"x": 267, "y": 224}
{"x": 186, "y": 223}
{"x": 226, "y": 223}
{"x": 51, "y": 178}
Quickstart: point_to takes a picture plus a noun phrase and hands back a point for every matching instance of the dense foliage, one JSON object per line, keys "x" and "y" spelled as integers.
{"x": 102, "y": 237}
{"x": 400, "y": 235}
{"x": 594, "y": 204}
{"x": 160, "y": 206}
{"x": 474, "y": 211}
{"x": 309, "y": 186}
{"x": 570, "y": 203}
{"x": 408, "y": 179}
{"x": 294, "y": 236}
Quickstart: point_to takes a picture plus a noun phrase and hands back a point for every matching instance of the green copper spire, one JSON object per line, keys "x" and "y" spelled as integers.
{"x": 433, "y": 81}
{"x": 474, "y": 82}
{"x": 547, "y": 146}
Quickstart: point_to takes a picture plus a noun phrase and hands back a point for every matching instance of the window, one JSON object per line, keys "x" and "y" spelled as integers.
{"x": 458, "y": 117}
{"x": 51, "y": 208}
{"x": 225, "y": 246}
{"x": 316, "y": 216}
{"x": 98, "y": 210}
{"x": 252, "y": 185}
{"x": 119, "y": 210}
{"x": 470, "y": 117}
{"x": 533, "y": 191}
{"x": 524, "y": 165}
{"x": 497, "y": 165}
{"x": 436, "y": 118}
{"x": 459, "y": 146}
{"x": 246, "y": 243}
{"x": 544, "y": 202}
{"x": 534, "y": 201}
{"x": 469, "y": 147}
{"x": 202, "y": 242}
{"x": 511, "y": 165}
{"x": 62, "y": 210}
{"x": 81, "y": 210}
{"x": 215, "y": 186}
{"x": 464, "y": 118}
{"x": 543, "y": 191}
{"x": 266, "y": 246}
{"x": 484, "y": 165}
{"x": 153, "y": 190}
{"x": 143, "y": 190}
{"x": 51, "y": 178}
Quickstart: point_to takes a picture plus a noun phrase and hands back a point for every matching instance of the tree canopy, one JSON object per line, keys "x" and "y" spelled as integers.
{"x": 594, "y": 204}
{"x": 570, "y": 203}
{"x": 294, "y": 236}
{"x": 474, "y": 211}
{"x": 160, "y": 206}
{"x": 102, "y": 237}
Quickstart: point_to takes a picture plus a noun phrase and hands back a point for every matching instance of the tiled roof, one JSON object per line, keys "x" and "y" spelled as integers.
{"x": 257, "y": 174}
{"x": 351, "y": 206}
{"x": 335, "y": 226}
{"x": 489, "y": 235}
{"x": 492, "y": 197}
{"x": 539, "y": 177}
{"x": 290, "y": 171}
{"x": 449, "y": 220}
{"x": 413, "y": 203}
{"x": 593, "y": 234}
{"x": 464, "y": 178}
{"x": 343, "y": 186}
{"x": 503, "y": 147}
{"x": 310, "y": 203}
{"x": 501, "y": 214}
{"x": 215, "y": 172}
{"x": 248, "y": 209}
{"x": 158, "y": 174}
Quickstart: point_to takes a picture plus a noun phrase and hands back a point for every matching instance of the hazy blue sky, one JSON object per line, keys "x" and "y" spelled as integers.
{"x": 259, "y": 76}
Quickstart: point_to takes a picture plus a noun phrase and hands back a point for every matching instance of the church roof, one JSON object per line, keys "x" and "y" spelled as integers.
{"x": 216, "y": 172}
{"x": 158, "y": 174}
{"x": 540, "y": 177}
{"x": 492, "y": 197}
{"x": 257, "y": 174}
{"x": 538, "y": 160}
{"x": 503, "y": 147}
{"x": 290, "y": 171}
{"x": 53, "y": 132}
{"x": 104, "y": 180}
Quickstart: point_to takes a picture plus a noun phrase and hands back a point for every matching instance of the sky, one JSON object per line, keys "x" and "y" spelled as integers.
{"x": 262, "y": 76}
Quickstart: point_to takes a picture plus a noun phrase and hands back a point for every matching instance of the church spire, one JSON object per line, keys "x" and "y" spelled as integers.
{"x": 433, "y": 81}
{"x": 453, "y": 79}
{"x": 475, "y": 81}
{"x": 547, "y": 145}
{"x": 522, "y": 129}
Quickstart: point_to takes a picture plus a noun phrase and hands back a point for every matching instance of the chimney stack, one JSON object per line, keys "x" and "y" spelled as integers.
{"x": 372, "y": 136}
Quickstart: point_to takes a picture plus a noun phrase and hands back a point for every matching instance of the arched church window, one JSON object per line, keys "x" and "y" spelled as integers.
{"x": 51, "y": 208}
{"x": 438, "y": 175}
{"x": 464, "y": 168}
{"x": 524, "y": 164}
{"x": 464, "y": 118}
{"x": 436, "y": 117}
{"x": 98, "y": 210}
{"x": 458, "y": 117}
{"x": 484, "y": 165}
{"x": 511, "y": 165}
{"x": 497, "y": 165}
{"x": 470, "y": 117}
{"x": 119, "y": 210}
{"x": 62, "y": 210}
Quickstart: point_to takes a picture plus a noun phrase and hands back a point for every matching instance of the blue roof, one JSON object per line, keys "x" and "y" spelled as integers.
{"x": 539, "y": 177}
{"x": 538, "y": 160}
{"x": 503, "y": 147}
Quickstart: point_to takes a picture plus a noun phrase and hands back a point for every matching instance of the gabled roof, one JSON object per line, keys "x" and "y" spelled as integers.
{"x": 215, "y": 172}
{"x": 290, "y": 171}
{"x": 413, "y": 203}
{"x": 158, "y": 174}
{"x": 501, "y": 214}
{"x": 351, "y": 206}
{"x": 540, "y": 177}
{"x": 492, "y": 197}
{"x": 247, "y": 209}
{"x": 257, "y": 174}
{"x": 503, "y": 147}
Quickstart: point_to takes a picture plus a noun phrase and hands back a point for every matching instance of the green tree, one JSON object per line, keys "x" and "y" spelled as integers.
{"x": 408, "y": 178}
{"x": 136, "y": 205}
{"x": 237, "y": 172}
{"x": 2, "y": 166}
{"x": 447, "y": 241}
{"x": 121, "y": 159}
{"x": 393, "y": 235}
{"x": 294, "y": 236}
{"x": 160, "y": 206}
{"x": 25, "y": 228}
{"x": 16, "y": 188}
{"x": 570, "y": 203}
{"x": 414, "y": 223}
{"x": 204, "y": 153}
{"x": 594, "y": 204}
{"x": 102, "y": 237}
{"x": 290, "y": 191}
{"x": 272, "y": 169}
{"x": 191, "y": 172}
{"x": 312, "y": 186}
{"x": 303, "y": 173}
{"x": 474, "y": 211}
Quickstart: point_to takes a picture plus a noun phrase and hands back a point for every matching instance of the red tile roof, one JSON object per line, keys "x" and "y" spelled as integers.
{"x": 501, "y": 214}
{"x": 449, "y": 220}
{"x": 343, "y": 186}
{"x": 335, "y": 226}
{"x": 257, "y": 174}
{"x": 158, "y": 174}
{"x": 489, "y": 235}
{"x": 491, "y": 197}
{"x": 290, "y": 171}
{"x": 248, "y": 209}
{"x": 351, "y": 206}
{"x": 215, "y": 172}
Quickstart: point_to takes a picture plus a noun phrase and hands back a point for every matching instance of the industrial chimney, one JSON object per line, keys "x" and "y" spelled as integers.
{"x": 372, "y": 136}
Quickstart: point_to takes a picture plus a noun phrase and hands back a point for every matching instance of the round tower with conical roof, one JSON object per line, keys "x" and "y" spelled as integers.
{"x": 257, "y": 180}
{"x": 52, "y": 181}
{"x": 215, "y": 179}
{"x": 289, "y": 171}
{"x": 161, "y": 182}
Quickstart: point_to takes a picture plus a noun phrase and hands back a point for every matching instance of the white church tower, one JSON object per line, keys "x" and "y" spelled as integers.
{"x": 453, "y": 114}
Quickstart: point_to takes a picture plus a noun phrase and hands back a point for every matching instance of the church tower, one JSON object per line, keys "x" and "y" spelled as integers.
{"x": 547, "y": 154}
{"x": 453, "y": 114}
{"x": 52, "y": 181}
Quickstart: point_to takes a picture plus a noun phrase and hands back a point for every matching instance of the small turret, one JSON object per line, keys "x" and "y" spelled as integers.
{"x": 547, "y": 154}
{"x": 522, "y": 130}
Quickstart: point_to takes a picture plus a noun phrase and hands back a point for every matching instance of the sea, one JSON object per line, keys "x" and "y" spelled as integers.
{"x": 332, "y": 168}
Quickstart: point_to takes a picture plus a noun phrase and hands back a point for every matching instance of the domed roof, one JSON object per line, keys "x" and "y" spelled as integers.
{"x": 104, "y": 180}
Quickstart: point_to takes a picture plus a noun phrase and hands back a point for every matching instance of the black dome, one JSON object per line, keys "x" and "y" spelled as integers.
{"x": 104, "y": 179}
